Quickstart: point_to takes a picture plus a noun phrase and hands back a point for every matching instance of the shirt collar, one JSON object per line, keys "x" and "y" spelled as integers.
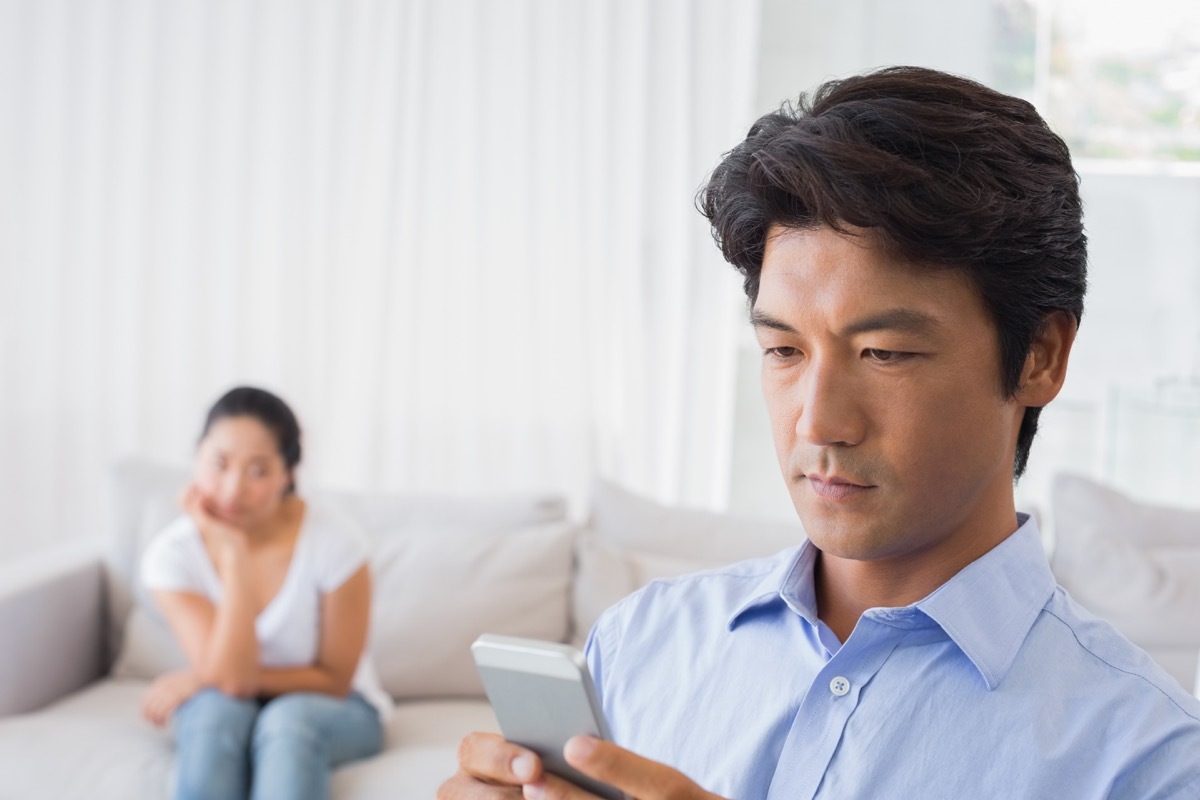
{"x": 987, "y": 609}
{"x": 790, "y": 583}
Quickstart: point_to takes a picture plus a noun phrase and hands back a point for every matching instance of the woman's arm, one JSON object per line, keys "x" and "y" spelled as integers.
{"x": 220, "y": 641}
{"x": 232, "y": 652}
{"x": 345, "y": 616}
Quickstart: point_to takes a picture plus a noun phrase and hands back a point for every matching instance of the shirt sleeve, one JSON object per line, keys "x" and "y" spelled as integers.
{"x": 601, "y": 649}
{"x": 595, "y": 661}
{"x": 344, "y": 549}
{"x": 170, "y": 562}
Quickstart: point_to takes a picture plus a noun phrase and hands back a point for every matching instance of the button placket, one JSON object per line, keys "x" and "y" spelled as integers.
{"x": 816, "y": 730}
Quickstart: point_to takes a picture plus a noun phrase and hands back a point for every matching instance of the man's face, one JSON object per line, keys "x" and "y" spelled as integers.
{"x": 882, "y": 383}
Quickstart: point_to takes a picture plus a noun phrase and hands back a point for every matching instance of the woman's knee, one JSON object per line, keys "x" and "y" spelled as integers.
{"x": 296, "y": 716}
{"x": 333, "y": 728}
{"x": 212, "y": 737}
{"x": 210, "y": 709}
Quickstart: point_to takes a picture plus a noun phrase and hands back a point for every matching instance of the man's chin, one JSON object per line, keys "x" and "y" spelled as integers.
{"x": 840, "y": 537}
{"x": 816, "y": 513}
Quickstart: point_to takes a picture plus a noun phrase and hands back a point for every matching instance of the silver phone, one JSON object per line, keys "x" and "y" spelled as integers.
{"x": 542, "y": 695}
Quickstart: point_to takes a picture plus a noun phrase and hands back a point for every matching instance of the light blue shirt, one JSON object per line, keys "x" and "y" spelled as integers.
{"x": 995, "y": 685}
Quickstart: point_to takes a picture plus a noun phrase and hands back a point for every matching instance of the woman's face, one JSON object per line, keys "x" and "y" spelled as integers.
{"x": 240, "y": 471}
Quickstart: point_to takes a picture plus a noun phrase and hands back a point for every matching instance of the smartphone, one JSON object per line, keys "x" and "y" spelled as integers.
{"x": 542, "y": 695}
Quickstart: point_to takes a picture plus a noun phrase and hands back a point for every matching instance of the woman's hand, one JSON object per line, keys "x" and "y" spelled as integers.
{"x": 168, "y": 693}
{"x": 229, "y": 544}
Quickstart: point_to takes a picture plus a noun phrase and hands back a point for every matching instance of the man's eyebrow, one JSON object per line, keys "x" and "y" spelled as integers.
{"x": 760, "y": 319}
{"x": 904, "y": 320}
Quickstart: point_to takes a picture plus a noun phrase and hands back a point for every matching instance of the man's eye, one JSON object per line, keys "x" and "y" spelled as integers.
{"x": 781, "y": 352}
{"x": 884, "y": 356}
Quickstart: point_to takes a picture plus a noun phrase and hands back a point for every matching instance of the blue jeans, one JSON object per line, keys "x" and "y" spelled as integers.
{"x": 287, "y": 747}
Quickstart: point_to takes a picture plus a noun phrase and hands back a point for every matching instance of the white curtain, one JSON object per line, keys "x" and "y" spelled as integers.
{"x": 457, "y": 235}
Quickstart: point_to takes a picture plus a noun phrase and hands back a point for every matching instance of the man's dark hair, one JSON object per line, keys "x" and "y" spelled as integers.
{"x": 943, "y": 171}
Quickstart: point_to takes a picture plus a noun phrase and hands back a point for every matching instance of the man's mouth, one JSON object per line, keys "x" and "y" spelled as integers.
{"x": 834, "y": 487}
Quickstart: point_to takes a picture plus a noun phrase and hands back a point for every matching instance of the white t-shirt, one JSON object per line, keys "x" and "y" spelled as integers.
{"x": 329, "y": 549}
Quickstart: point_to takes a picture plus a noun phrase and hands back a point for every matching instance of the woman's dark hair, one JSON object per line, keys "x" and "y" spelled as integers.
{"x": 267, "y": 408}
{"x": 943, "y": 171}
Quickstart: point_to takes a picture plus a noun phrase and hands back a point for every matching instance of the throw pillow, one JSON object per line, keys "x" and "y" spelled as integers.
{"x": 1134, "y": 564}
{"x": 633, "y": 540}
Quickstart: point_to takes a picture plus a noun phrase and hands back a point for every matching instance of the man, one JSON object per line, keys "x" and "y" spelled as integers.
{"x": 913, "y": 252}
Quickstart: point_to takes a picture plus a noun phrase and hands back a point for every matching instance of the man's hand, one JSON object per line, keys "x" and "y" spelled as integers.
{"x": 637, "y": 777}
{"x": 490, "y": 767}
{"x": 168, "y": 693}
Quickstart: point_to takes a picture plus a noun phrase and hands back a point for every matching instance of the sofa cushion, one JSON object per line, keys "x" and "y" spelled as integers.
{"x": 633, "y": 522}
{"x": 444, "y": 570}
{"x": 144, "y": 498}
{"x": 91, "y": 744}
{"x": 437, "y": 588}
{"x": 1136, "y": 565}
{"x": 420, "y": 753}
{"x": 632, "y": 540}
{"x": 113, "y": 754}
{"x": 149, "y": 648}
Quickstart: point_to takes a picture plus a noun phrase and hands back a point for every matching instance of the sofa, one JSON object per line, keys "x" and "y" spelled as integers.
{"x": 80, "y": 642}
{"x": 1135, "y": 564}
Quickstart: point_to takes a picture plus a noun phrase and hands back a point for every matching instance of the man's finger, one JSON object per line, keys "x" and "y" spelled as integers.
{"x": 489, "y": 756}
{"x": 465, "y": 787}
{"x": 629, "y": 772}
{"x": 551, "y": 787}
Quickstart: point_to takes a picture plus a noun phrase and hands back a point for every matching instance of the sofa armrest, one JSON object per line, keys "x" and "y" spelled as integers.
{"x": 51, "y": 626}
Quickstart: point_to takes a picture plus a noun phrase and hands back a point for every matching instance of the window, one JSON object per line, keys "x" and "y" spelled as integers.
{"x": 1116, "y": 81}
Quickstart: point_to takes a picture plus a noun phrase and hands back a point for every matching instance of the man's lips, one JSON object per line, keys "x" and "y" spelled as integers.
{"x": 832, "y": 487}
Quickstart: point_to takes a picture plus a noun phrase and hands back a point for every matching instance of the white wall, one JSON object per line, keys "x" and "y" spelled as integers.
{"x": 807, "y": 41}
{"x": 457, "y": 235}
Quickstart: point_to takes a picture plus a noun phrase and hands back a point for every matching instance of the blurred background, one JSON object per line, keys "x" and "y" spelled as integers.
{"x": 458, "y": 236}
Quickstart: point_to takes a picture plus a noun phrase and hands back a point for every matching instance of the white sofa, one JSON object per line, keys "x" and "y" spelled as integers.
{"x": 1136, "y": 565}
{"x": 78, "y": 642}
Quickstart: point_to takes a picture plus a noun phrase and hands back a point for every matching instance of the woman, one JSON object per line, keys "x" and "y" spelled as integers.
{"x": 269, "y": 598}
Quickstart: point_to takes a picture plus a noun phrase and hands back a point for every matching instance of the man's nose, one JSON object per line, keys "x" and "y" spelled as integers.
{"x": 830, "y": 410}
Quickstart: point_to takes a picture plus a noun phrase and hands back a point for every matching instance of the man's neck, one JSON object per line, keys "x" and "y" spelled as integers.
{"x": 845, "y": 588}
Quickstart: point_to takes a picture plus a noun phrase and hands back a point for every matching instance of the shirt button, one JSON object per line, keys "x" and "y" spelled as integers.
{"x": 839, "y": 686}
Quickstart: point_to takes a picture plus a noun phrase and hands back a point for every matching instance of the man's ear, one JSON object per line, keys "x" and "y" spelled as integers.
{"x": 1046, "y": 365}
